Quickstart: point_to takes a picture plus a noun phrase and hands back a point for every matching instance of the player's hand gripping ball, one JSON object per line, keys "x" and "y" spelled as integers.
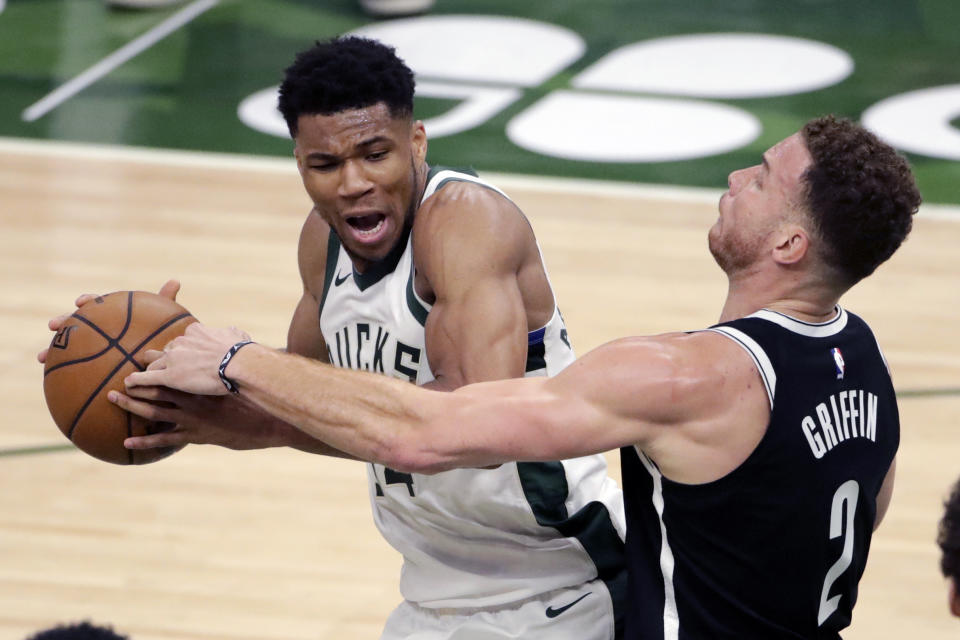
{"x": 91, "y": 354}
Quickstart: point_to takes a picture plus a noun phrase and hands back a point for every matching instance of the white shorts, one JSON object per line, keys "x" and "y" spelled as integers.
{"x": 584, "y": 612}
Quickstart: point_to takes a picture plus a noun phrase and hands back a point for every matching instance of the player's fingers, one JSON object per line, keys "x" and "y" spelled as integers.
{"x": 166, "y": 439}
{"x": 170, "y": 289}
{"x": 85, "y": 298}
{"x": 147, "y": 410}
{"x": 156, "y": 394}
{"x": 146, "y": 378}
{"x": 150, "y": 356}
{"x": 157, "y": 365}
{"x": 178, "y": 341}
{"x": 42, "y": 356}
{"x": 54, "y": 324}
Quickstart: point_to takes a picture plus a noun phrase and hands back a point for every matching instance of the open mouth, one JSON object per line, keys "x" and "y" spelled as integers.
{"x": 367, "y": 225}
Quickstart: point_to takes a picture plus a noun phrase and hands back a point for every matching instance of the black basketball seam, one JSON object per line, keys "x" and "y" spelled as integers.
{"x": 153, "y": 335}
{"x": 93, "y": 326}
{"x": 112, "y": 342}
{"x": 126, "y": 325}
{"x": 93, "y": 394}
{"x": 77, "y": 361}
{"x": 127, "y": 357}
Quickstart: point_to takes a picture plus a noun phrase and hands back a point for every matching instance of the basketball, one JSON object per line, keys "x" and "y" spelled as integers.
{"x": 96, "y": 348}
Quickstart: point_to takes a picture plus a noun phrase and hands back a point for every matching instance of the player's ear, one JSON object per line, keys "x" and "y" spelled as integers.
{"x": 418, "y": 140}
{"x": 954, "y": 598}
{"x": 792, "y": 244}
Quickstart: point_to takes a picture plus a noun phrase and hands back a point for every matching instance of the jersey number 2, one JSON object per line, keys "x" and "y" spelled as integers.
{"x": 847, "y": 494}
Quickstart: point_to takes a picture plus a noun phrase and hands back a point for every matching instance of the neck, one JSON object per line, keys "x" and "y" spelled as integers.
{"x": 420, "y": 174}
{"x": 801, "y": 299}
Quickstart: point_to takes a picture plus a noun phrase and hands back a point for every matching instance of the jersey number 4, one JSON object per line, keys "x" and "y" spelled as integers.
{"x": 393, "y": 477}
{"x": 841, "y": 524}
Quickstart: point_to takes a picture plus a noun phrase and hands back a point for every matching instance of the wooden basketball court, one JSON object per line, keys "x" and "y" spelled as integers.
{"x": 280, "y": 545}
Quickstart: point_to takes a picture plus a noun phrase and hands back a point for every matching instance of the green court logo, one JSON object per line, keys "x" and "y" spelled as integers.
{"x": 651, "y": 101}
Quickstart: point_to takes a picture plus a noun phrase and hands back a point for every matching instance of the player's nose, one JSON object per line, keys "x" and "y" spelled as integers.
{"x": 736, "y": 180}
{"x": 353, "y": 181}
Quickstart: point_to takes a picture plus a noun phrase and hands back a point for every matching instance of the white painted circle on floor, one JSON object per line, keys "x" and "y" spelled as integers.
{"x": 720, "y": 65}
{"x": 605, "y": 128}
{"x": 919, "y": 121}
{"x": 468, "y": 48}
{"x": 259, "y": 112}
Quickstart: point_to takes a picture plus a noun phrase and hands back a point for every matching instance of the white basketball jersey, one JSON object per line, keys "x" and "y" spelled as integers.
{"x": 469, "y": 537}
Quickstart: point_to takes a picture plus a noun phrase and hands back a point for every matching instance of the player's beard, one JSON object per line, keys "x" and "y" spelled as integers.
{"x": 733, "y": 254}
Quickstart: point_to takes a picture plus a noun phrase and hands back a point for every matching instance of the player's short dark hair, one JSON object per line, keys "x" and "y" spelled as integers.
{"x": 948, "y": 536}
{"x": 860, "y": 194}
{"x": 78, "y": 631}
{"x": 345, "y": 73}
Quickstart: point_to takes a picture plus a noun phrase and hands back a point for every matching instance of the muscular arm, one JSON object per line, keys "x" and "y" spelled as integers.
{"x": 470, "y": 244}
{"x": 304, "y": 337}
{"x": 665, "y": 392}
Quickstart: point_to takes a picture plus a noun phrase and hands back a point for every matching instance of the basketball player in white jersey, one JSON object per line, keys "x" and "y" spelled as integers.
{"x": 433, "y": 277}
{"x": 758, "y": 456}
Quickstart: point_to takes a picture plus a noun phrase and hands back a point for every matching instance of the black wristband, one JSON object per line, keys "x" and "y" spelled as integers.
{"x": 222, "y": 370}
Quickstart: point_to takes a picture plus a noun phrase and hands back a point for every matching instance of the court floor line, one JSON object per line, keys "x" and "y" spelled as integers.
{"x": 133, "y": 48}
{"x": 44, "y": 448}
{"x": 931, "y": 392}
{"x": 281, "y": 165}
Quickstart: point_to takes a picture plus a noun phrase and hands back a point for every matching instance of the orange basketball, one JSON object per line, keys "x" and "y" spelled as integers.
{"x": 98, "y": 346}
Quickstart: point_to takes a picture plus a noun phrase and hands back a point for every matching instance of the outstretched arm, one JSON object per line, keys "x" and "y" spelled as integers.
{"x": 661, "y": 393}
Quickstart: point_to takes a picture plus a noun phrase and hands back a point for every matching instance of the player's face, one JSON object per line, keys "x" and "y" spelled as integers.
{"x": 759, "y": 199}
{"x": 364, "y": 171}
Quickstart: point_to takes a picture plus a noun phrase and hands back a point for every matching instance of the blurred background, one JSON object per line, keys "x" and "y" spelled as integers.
{"x": 632, "y": 90}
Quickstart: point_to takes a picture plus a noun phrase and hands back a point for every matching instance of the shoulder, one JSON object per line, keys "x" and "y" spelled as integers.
{"x": 696, "y": 370}
{"x": 469, "y": 228}
{"x": 698, "y": 350}
{"x": 463, "y": 208}
{"x": 684, "y": 353}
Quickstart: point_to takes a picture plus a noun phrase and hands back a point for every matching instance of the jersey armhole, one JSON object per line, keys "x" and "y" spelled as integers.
{"x": 759, "y": 356}
{"x": 333, "y": 257}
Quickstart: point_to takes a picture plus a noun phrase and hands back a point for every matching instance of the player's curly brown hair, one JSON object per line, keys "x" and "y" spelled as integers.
{"x": 345, "y": 73}
{"x": 948, "y": 536}
{"x": 78, "y": 631}
{"x": 860, "y": 193}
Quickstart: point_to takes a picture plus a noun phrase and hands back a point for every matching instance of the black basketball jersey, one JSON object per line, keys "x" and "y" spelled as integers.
{"x": 774, "y": 549}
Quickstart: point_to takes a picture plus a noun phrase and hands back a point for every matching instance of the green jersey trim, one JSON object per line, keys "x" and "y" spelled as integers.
{"x": 545, "y": 488}
{"x": 333, "y": 256}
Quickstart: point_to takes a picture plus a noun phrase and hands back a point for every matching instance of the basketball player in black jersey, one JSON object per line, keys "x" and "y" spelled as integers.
{"x": 758, "y": 455}
{"x": 949, "y": 541}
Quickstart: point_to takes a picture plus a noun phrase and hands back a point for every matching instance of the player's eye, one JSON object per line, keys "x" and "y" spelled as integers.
{"x": 377, "y": 155}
